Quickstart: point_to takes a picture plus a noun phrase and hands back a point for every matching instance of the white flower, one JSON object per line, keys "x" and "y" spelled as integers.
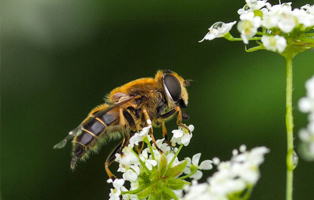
{"x": 169, "y": 157}
{"x": 131, "y": 174}
{"x": 198, "y": 192}
{"x": 242, "y": 148}
{"x": 274, "y": 43}
{"x": 256, "y": 4}
{"x": 308, "y": 8}
{"x": 216, "y": 161}
{"x": 126, "y": 159}
{"x": 307, "y": 138}
{"x": 115, "y": 193}
{"x": 181, "y": 136}
{"x": 309, "y": 85}
{"x": 217, "y": 30}
{"x": 246, "y": 9}
{"x": 278, "y": 14}
{"x": 306, "y": 135}
{"x": 270, "y": 20}
{"x": 248, "y": 26}
{"x": 287, "y": 20}
{"x": 232, "y": 178}
{"x": 164, "y": 147}
{"x": 150, "y": 163}
{"x": 138, "y": 137}
{"x": 118, "y": 183}
{"x": 140, "y": 171}
{"x": 223, "y": 182}
{"x": 306, "y": 105}
{"x": 130, "y": 197}
{"x": 303, "y": 17}
{"x": 205, "y": 165}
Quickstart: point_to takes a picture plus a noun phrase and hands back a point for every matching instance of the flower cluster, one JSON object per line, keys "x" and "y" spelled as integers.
{"x": 275, "y": 28}
{"x": 156, "y": 174}
{"x": 306, "y": 105}
{"x": 233, "y": 180}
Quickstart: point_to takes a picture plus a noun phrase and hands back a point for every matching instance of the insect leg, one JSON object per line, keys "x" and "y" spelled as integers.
{"x": 179, "y": 119}
{"x": 164, "y": 133}
{"x": 140, "y": 147}
{"x": 111, "y": 158}
{"x": 151, "y": 130}
{"x": 165, "y": 117}
{"x": 126, "y": 136}
{"x": 171, "y": 113}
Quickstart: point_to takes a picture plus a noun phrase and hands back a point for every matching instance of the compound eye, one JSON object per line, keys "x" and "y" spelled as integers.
{"x": 172, "y": 87}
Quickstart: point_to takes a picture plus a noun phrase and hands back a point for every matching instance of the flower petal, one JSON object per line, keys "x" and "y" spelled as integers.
{"x": 196, "y": 159}
{"x": 206, "y": 165}
{"x": 198, "y": 175}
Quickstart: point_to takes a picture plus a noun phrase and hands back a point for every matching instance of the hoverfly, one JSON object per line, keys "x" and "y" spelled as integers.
{"x": 126, "y": 111}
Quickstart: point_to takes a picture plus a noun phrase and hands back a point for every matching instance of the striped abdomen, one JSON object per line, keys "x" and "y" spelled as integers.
{"x": 92, "y": 132}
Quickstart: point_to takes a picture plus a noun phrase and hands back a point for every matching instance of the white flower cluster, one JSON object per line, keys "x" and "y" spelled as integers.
{"x": 306, "y": 105}
{"x": 233, "y": 179}
{"x": 152, "y": 171}
{"x": 217, "y": 30}
{"x": 275, "y": 24}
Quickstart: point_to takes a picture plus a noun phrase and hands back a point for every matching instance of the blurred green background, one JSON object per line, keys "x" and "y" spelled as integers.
{"x": 59, "y": 59}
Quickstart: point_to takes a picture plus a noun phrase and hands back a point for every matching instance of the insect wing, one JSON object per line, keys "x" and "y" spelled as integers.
{"x": 77, "y": 131}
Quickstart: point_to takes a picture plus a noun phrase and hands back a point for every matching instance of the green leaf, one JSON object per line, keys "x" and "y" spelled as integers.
{"x": 162, "y": 165}
{"x": 154, "y": 175}
{"x": 176, "y": 170}
{"x": 164, "y": 196}
{"x": 177, "y": 184}
{"x": 169, "y": 192}
{"x": 145, "y": 192}
{"x": 152, "y": 197}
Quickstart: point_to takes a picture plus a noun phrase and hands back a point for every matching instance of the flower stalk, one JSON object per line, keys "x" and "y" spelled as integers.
{"x": 289, "y": 126}
{"x": 283, "y": 30}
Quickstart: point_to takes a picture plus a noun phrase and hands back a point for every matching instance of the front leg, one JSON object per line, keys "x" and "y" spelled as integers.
{"x": 179, "y": 119}
{"x": 151, "y": 130}
{"x": 112, "y": 158}
{"x": 168, "y": 115}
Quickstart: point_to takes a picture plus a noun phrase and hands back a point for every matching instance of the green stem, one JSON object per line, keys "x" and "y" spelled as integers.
{"x": 132, "y": 191}
{"x": 142, "y": 163}
{"x": 174, "y": 157}
{"x": 150, "y": 147}
{"x": 229, "y": 37}
{"x": 254, "y": 49}
{"x": 248, "y": 193}
{"x": 263, "y": 33}
{"x": 240, "y": 39}
{"x": 187, "y": 176}
{"x": 306, "y": 39}
{"x": 289, "y": 126}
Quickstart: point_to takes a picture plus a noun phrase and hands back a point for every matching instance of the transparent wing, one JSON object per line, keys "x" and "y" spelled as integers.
{"x": 77, "y": 131}
{"x": 71, "y": 135}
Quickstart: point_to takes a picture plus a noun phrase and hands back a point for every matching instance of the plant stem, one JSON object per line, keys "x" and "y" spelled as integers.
{"x": 150, "y": 147}
{"x": 289, "y": 126}
{"x": 142, "y": 163}
{"x": 248, "y": 193}
{"x": 174, "y": 157}
{"x": 309, "y": 34}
